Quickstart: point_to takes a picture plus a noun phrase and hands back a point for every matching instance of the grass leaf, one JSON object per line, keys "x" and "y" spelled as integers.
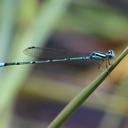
{"x": 77, "y": 101}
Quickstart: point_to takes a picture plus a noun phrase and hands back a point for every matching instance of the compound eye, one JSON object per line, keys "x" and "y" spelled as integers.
{"x": 109, "y": 51}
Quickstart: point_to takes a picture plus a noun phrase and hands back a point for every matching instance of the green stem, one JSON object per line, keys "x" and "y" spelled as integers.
{"x": 77, "y": 101}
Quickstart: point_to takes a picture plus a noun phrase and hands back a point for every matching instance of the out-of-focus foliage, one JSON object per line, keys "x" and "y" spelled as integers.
{"x": 95, "y": 18}
{"x": 25, "y": 23}
{"x": 38, "y": 25}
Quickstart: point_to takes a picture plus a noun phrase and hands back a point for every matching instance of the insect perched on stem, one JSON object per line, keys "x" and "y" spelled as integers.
{"x": 59, "y": 55}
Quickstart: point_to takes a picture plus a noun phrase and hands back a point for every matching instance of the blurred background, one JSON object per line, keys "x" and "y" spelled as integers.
{"x": 31, "y": 96}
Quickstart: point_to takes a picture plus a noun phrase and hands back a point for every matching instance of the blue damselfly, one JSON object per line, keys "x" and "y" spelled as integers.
{"x": 34, "y": 51}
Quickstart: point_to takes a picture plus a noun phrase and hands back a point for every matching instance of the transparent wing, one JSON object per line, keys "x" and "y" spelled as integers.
{"x": 32, "y": 51}
{"x": 51, "y": 53}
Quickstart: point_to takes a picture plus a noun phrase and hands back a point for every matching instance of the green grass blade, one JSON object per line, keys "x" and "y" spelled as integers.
{"x": 84, "y": 94}
{"x": 8, "y": 19}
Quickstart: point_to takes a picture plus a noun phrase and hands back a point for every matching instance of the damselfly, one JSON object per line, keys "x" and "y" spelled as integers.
{"x": 95, "y": 55}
